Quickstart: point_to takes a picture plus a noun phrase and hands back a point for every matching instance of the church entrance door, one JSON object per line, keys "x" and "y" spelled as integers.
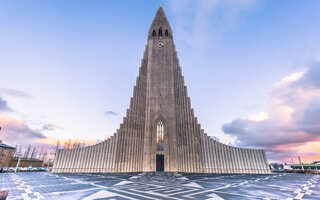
{"x": 160, "y": 163}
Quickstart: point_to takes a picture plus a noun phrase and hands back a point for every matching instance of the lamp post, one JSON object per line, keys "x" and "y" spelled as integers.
{"x": 48, "y": 166}
{"x": 18, "y": 163}
{"x": 300, "y": 163}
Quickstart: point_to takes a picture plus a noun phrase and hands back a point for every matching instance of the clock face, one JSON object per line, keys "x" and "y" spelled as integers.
{"x": 160, "y": 44}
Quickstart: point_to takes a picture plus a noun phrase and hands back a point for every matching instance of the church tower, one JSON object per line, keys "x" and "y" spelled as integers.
{"x": 160, "y": 131}
{"x": 160, "y": 140}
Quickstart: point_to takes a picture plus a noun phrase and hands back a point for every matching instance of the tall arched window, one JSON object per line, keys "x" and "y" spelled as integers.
{"x": 160, "y": 133}
{"x": 160, "y": 31}
{"x": 154, "y": 33}
{"x": 166, "y": 33}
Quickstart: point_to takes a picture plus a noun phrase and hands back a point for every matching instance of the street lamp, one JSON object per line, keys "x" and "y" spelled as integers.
{"x": 48, "y": 166}
{"x": 18, "y": 163}
{"x": 301, "y": 163}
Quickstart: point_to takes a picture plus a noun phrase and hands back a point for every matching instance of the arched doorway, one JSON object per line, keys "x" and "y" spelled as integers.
{"x": 160, "y": 163}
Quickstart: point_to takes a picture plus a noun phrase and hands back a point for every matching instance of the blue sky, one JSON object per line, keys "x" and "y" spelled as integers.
{"x": 72, "y": 65}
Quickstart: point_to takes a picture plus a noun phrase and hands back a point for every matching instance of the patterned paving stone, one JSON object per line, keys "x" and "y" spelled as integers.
{"x": 45, "y": 185}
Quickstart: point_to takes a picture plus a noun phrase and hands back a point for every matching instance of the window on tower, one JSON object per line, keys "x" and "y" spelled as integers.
{"x": 160, "y": 31}
{"x": 166, "y": 33}
{"x": 154, "y": 33}
{"x": 160, "y": 134}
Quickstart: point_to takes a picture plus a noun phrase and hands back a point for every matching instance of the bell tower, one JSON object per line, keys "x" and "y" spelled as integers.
{"x": 160, "y": 145}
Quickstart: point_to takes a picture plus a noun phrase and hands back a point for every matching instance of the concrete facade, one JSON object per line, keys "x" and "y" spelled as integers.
{"x": 160, "y": 95}
{"x": 26, "y": 162}
{"x": 6, "y": 154}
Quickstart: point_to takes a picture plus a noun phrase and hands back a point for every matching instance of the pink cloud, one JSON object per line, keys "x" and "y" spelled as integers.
{"x": 16, "y": 131}
{"x": 291, "y": 121}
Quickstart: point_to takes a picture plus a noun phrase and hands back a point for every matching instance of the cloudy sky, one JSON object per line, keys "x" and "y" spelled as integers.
{"x": 252, "y": 69}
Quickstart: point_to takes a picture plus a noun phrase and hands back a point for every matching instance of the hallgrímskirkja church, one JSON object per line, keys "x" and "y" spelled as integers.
{"x": 160, "y": 131}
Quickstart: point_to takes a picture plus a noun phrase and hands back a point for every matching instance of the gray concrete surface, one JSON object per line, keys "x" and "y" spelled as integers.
{"x": 43, "y": 185}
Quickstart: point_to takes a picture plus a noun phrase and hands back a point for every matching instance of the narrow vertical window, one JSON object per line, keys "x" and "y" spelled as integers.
{"x": 160, "y": 31}
{"x": 160, "y": 133}
{"x": 160, "y": 83}
{"x": 154, "y": 33}
{"x": 160, "y": 94}
{"x": 166, "y": 33}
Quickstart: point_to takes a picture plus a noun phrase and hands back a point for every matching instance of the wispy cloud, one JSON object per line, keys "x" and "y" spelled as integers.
{"x": 50, "y": 127}
{"x": 15, "y": 93}
{"x": 202, "y": 23}
{"x": 292, "y": 119}
{"x": 110, "y": 113}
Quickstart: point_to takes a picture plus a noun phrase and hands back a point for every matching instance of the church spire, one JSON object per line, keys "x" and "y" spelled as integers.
{"x": 160, "y": 25}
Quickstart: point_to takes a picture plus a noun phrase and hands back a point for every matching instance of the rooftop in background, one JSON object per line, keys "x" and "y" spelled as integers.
{"x": 5, "y": 145}
{"x": 26, "y": 159}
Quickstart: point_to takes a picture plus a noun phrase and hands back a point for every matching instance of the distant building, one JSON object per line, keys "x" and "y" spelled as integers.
{"x": 312, "y": 166}
{"x": 26, "y": 162}
{"x": 287, "y": 167}
{"x": 277, "y": 166}
{"x": 6, "y": 154}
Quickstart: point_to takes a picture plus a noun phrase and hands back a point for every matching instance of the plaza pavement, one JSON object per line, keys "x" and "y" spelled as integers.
{"x": 44, "y": 185}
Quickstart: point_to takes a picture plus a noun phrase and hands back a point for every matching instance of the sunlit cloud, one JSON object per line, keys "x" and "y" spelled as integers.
{"x": 107, "y": 136}
{"x": 292, "y": 120}
{"x": 15, "y": 131}
{"x": 51, "y": 141}
{"x": 18, "y": 132}
{"x": 22, "y": 131}
{"x": 261, "y": 116}
{"x": 289, "y": 79}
